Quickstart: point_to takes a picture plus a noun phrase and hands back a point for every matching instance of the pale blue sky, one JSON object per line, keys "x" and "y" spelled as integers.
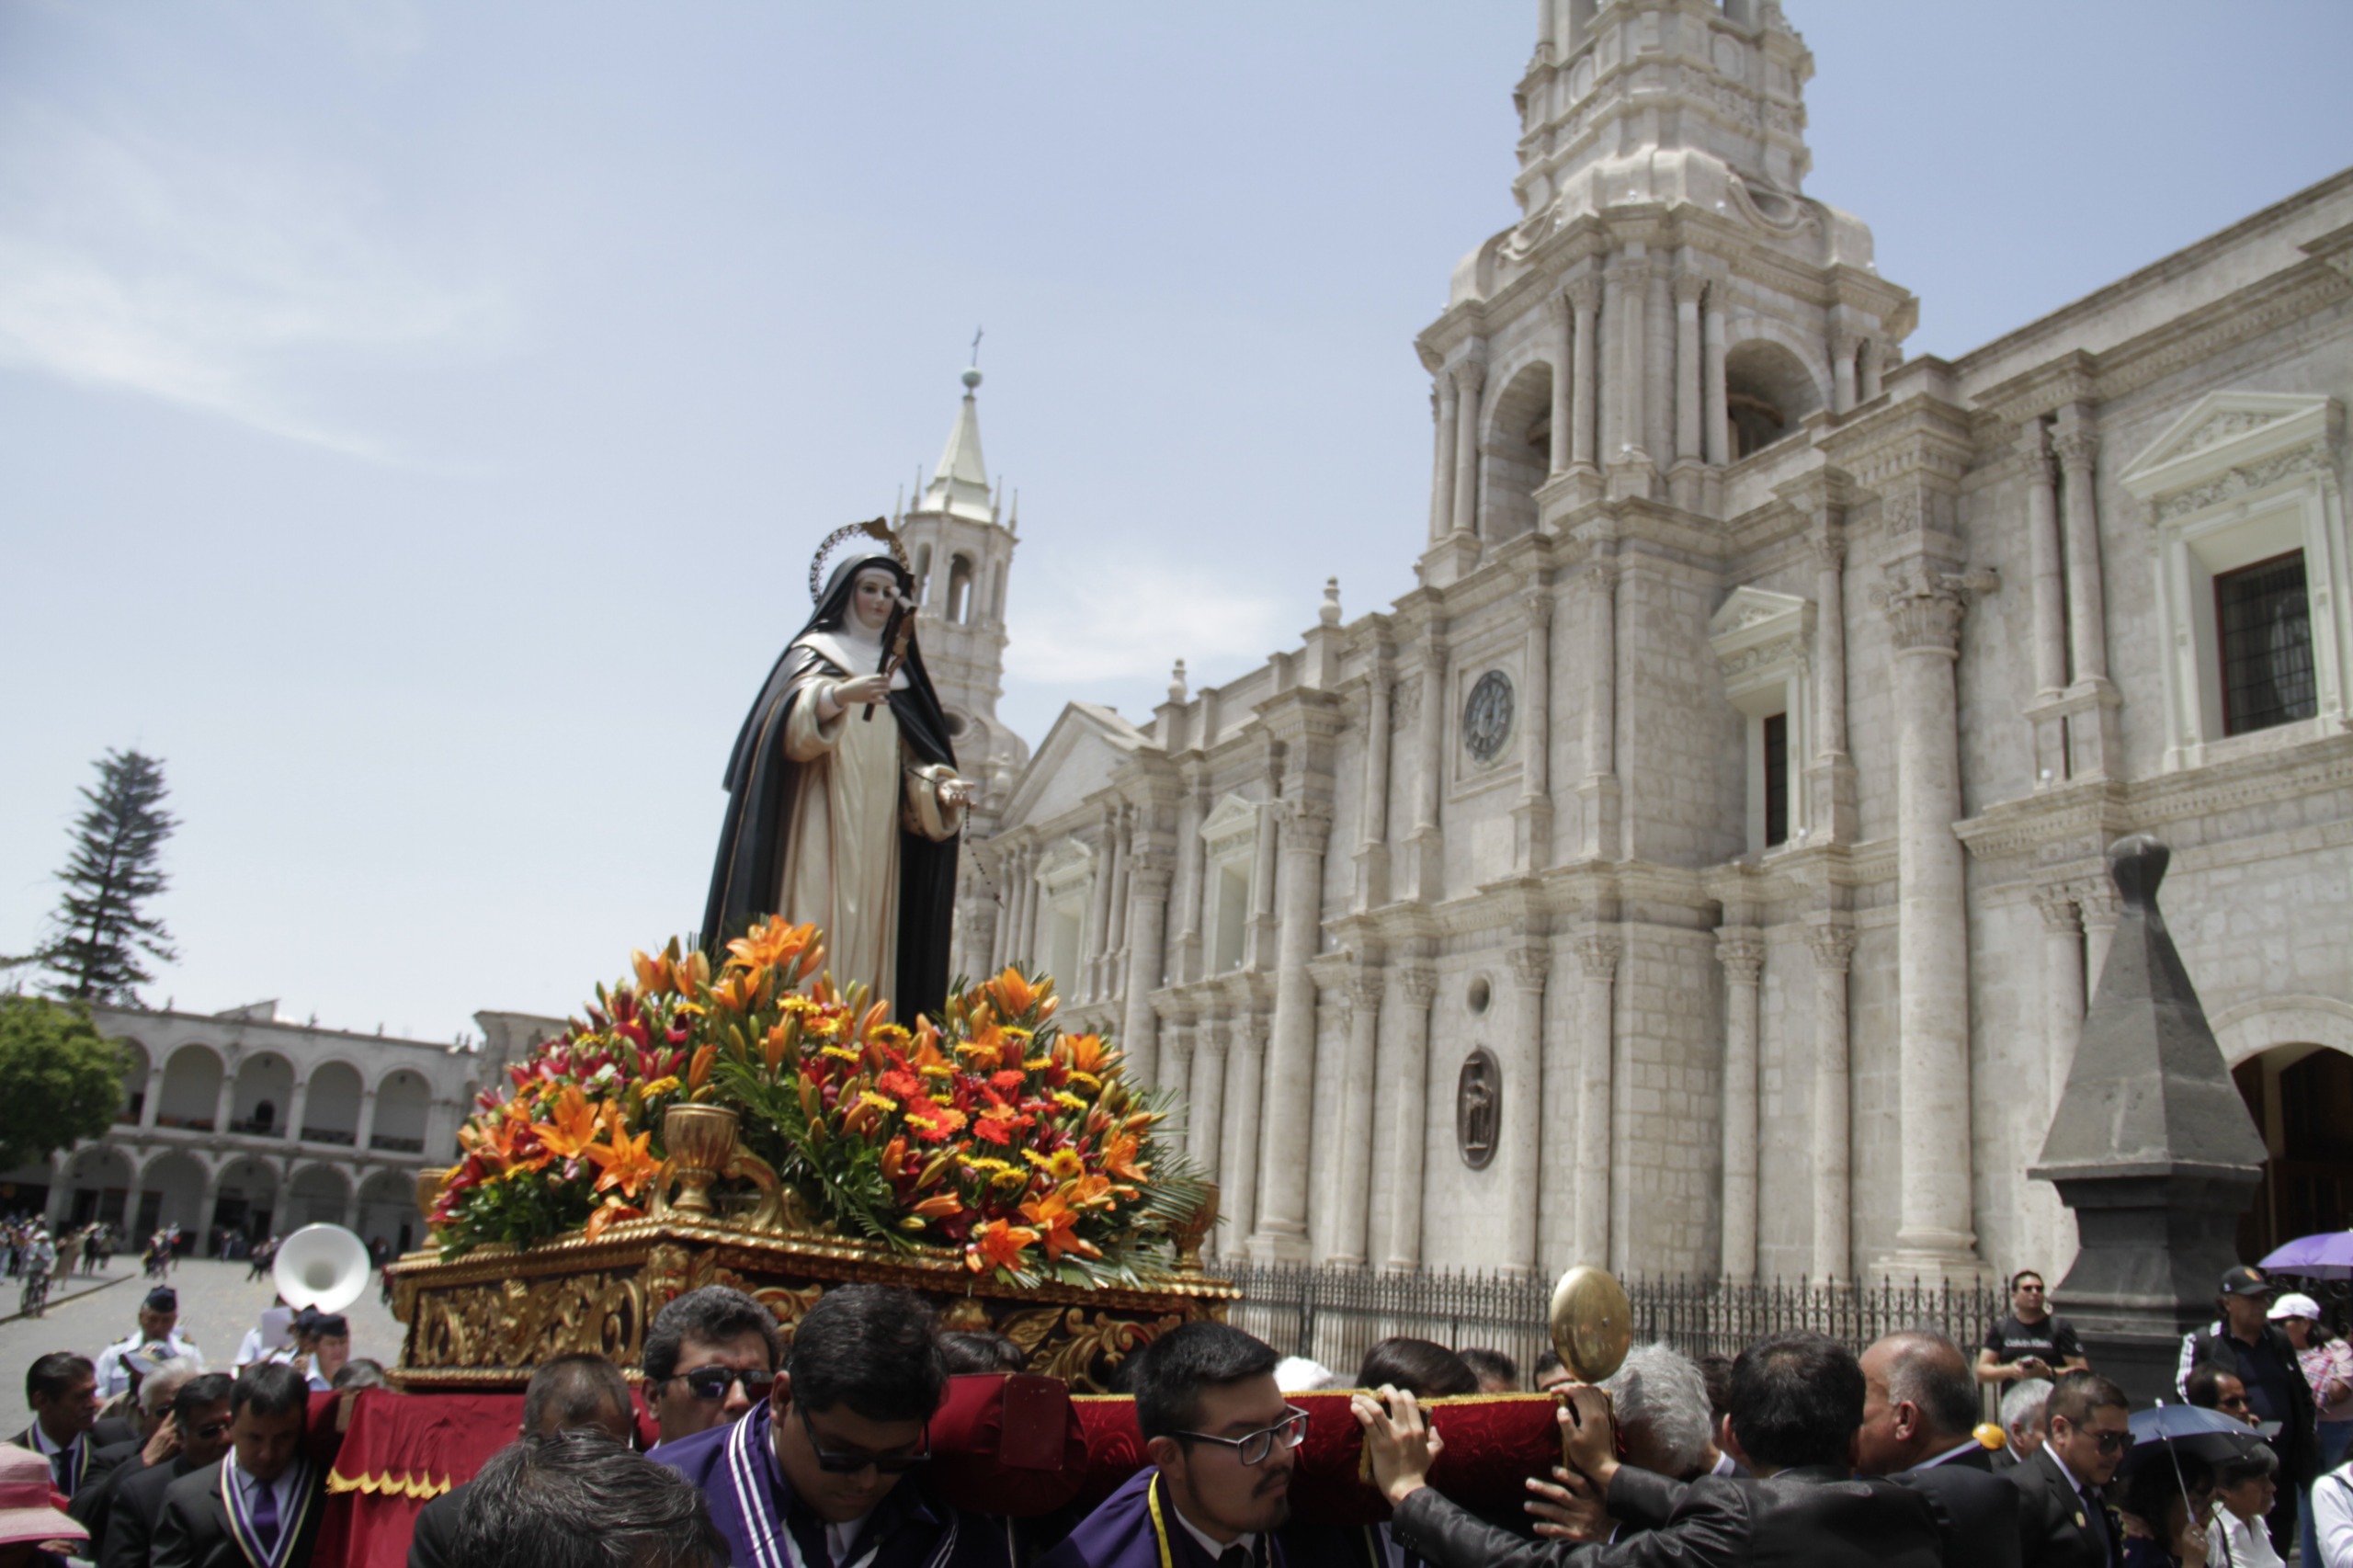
{"x": 415, "y": 419}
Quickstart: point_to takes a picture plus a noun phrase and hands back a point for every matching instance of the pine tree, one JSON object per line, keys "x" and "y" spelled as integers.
{"x": 101, "y": 931}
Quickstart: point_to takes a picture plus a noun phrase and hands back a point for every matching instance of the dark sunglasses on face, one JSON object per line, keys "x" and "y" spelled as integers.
{"x": 212, "y": 1429}
{"x": 712, "y": 1382}
{"x": 834, "y": 1463}
{"x": 2110, "y": 1442}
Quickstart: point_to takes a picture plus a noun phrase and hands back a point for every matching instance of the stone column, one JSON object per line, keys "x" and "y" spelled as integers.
{"x": 1584, "y": 296}
{"x": 1098, "y": 934}
{"x": 1658, "y": 363}
{"x": 1427, "y": 867}
{"x": 2078, "y": 451}
{"x": 1372, "y": 841}
{"x": 1206, "y": 1102}
{"x": 1244, "y": 1091}
{"x": 1148, "y": 920}
{"x": 1533, "y": 814}
{"x": 2050, "y": 581}
{"x": 1599, "y": 789}
{"x": 1031, "y": 894}
{"x": 1185, "y": 965}
{"x": 1469, "y": 376}
{"x": 1613, "y": 418}
{"x": 227, "y": 1104}
{"x": 1442, "y": 461}
{"x": 1935, "y": 1234}
{"x": 1832, "y": 779}
{"x": 1688, "y": 290}
{"x": 154, "y": 1096}
{"x": 1417, "y": 988}
{"x": 1563, "y": 392}
{"x": 1742, "y": 952}
{"x": 2098, "y": 904}
{"x": 1870, "y": 368}
{"x": 1282, "y": 1229}
{"x": 1597, "y": 953}
{"x": 2063, "y": 1011}
{"x": 298, "y": 1108}
{"x": 1259, "y": 937}
{"x": 1842, "y": 374}
{"x": 366, "y": 1138}
{"x": 1115, "y": 944}
{"x": 1519, "y": 1157}
{"x": 1177, "y": 1073}
{"x": 1365, "y": 987}
{"x": 1833, "y": 950}
{"x": 1715, "y": 419}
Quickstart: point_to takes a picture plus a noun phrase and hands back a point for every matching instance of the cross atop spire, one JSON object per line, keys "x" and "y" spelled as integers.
{"x": 961, "y": 485}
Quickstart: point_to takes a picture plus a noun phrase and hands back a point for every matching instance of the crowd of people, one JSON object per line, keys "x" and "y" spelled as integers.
{"x": 812, "y": 1451}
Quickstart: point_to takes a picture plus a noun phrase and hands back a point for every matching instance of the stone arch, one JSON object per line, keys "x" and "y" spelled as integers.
{"x": 923, "y": 573}
{"x": 245, "y": 1198}
{"x": 263, "y": 1094}
{"x": 959, "y": 587}
{"x": 388, "y": 1210}
{"x": 404, "y": 1101}
{"x": 1771, "y": 384}
{"x": 331, "y": 1107}
{"x": 2291, "y": 1058}
{"x": 137, "y": 1067}
{"x": 2253, "y": 1027}
{"x": 1514, "y": 451}
{"x": 318, "y": 1195}
{"x": 191, "y": 1092}
{"x": 97, "y": 1182}
{"x": 171, "y": 1192}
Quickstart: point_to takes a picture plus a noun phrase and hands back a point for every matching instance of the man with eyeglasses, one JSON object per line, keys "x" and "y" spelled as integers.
{"x": 1223, "y": 1443}
{"x": 825, "y": 1471}
{"x": 710, "y": 1356}
{"x": 200, "y": 1417}
{"x": 2030, "y": 1342}
{"x": 2063, "y": 1518}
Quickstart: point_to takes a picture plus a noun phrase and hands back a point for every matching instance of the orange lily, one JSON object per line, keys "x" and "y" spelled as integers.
{"x": 692, "y": 972}
{"x": 1082, "y": 1052}
{"x": 997, "y": 1244}
{"x": 773, "y": 943}
{"x": 739, "y": 990}
{"x": 1059, "y": 1222}
{"x": 1120, "y": 1158}
{"x": 626, "y": 1162}
{"x": 940, "y": 1206}
{"x": 698, "y": 1072}
{"x": 575, "y": 1127}
{"x": 1013, "y": 994}
{"x": 653, "y": 975}
{"x": 611, "y": 1212}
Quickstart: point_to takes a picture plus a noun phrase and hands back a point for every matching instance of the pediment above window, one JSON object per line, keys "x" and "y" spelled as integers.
{"x": 2228, "y": 441}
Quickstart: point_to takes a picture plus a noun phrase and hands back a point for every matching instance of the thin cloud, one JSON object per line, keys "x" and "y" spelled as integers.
{"x": 212, "y": 282}
{"x": 1124, "y": 618}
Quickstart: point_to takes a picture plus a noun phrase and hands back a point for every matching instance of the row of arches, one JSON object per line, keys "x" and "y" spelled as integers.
{"x": 240, "y": 1193}
{"x": 265, "y": 1097}
{"x": 959, "y": 602}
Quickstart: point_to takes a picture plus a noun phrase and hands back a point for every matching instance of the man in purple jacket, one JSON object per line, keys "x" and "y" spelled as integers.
{"x": 825, "y": 1471}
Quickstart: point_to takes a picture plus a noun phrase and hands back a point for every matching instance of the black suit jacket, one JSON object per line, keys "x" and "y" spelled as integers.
{"x": 1800, "y": 1518}
{"x": 192, "y": 1530}
{"x": 137, "y": 1502}
{"x": 111, "y": 1432}
{"x": 108, "y": 1466}
{"x": 1980, "y": 1511}
{"x": 2048, "y": 1509}
{"x": 1977, "y": 1457}
{"x": 435, "y": 1542}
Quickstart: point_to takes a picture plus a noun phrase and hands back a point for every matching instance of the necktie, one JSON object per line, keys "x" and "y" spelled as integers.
{"x": 1234, "y": 1556}
{"x": 61, "y": 1465}
{"x": 2096, "y": 1521}
{"x": 266, "y": 1516}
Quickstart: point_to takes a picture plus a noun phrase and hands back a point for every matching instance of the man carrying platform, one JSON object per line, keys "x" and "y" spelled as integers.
{"x": 1222, "y": 1440}
{"x": 819, "y": 1474}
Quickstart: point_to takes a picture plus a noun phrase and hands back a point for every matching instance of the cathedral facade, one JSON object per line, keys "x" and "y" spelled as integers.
{"x": 1699, "y": 872}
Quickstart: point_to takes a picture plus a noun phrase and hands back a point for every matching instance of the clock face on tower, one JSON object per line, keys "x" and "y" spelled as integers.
{"x": 1487, "y": 717}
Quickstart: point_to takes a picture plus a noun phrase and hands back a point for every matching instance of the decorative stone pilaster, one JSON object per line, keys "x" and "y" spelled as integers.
{"x": 1470, "y": 375}
{"x": 1598, "y": 955}
{"x": 1442, "y": 459}
{"x": 1532, "y": 814}
{"x": 1741, "y": 951}
{"x": 2093, "y": 737}
{"x": 1258, "y": 937}
{"x": 1282, "y": 1234}
{"x": 1716, "y": 417}
{"x": 1115, "y": 944}
{"x": 1148, "y": 882}
{"x": 1597, "y": 794}
{"x": 1584, "y": 298}
{"x": 1185, "y": 962}
{"x": 1205, "y": 1134}
{"x": 1098, "y": 935}
{"x": 1831, "y": 813}
{"x": 1843, "y": 349}
{"x": 1833, "y": 952}
{"x": 1372, "y": 841}
{"x": 2063, "y": 1023}
{"x": 1425, "y": 847}
{"x": 1519, "y": 1157}
{"x": 1417, "y": 988}
{"x": 1936, "y": 1236}
{"x": 1244, "y": 1095}
{"x": 1353, "y": 1194}
{"x": 1177, "y": 1073}
{"x": 1562, "y": 316}
{"x": 1684, "y": 477}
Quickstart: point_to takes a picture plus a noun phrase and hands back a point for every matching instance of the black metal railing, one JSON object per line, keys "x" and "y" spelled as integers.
{"x": 329, "y": 1135}
{"x": 394, "y": 1144}
{"x": 1333, "y": 1316}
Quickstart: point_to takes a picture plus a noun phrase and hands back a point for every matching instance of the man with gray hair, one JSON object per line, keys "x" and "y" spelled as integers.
{"x": 2022, "y": 1427}
{"x": 157, "y": 1439}
{"x": 1659, "y": 1399}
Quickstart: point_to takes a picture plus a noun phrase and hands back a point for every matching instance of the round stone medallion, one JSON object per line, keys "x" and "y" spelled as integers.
{"x": 1486, "y": 717}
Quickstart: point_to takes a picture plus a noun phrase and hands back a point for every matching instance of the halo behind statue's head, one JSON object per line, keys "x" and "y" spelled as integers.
{"x": 875, "y": 530}
{"x": 1592, "y": 1324}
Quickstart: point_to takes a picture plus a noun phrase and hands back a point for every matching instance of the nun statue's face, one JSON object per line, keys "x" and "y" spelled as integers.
{"x": 873, "y": 598}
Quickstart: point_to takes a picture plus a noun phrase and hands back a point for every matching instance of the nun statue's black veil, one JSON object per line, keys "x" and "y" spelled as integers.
{"x": 761, "y": 784}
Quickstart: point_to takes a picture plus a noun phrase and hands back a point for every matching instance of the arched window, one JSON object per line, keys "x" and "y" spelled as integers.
{"x": 959, "y": 589}
{"x": 923, "y": 573}
{"x": 1515, "y": 454}
{"x": 1768, "y": 393}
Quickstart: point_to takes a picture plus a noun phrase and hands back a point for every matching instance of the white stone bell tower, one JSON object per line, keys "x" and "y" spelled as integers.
{"x": 961, "y": 544}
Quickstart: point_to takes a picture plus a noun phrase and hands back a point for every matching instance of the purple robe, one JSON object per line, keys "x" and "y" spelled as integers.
{"x": 1122, "y": 1533}
{"x": 734, "y": 1468}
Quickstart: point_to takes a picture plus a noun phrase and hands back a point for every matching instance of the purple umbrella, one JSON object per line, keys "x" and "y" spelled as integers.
{"x": 2328, "y": 1255}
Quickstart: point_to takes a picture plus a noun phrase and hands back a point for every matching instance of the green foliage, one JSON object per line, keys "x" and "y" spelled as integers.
{"x": 60, "y": 1081}
{"x": 103, "y": 934}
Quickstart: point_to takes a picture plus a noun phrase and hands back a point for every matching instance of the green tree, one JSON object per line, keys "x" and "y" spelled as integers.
{"x": 60, "y": 1081}
{"x": 102, "y": 932}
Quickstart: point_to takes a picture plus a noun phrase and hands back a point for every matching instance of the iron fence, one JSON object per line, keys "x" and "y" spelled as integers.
{"x": 1333, "y": 1316}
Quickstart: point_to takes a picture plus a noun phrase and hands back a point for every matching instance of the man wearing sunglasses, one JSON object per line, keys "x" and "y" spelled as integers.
{"x": 824, "y": 1473}
{"x": 1223, "y": 1443}
{"x": 2063, "y": 1518}
{"x": 710, "y": 1356}
{"x": 200, "y": 1417}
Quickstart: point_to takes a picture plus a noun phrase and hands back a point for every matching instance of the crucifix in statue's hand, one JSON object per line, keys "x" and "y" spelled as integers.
{"x": 897, "y": 633}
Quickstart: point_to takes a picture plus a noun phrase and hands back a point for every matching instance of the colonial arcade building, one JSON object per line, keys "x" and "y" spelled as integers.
{"x": 1700, "y": 870}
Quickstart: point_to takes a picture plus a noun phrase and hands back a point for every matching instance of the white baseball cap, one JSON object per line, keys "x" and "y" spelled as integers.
{"x": 2293, "y": 1305}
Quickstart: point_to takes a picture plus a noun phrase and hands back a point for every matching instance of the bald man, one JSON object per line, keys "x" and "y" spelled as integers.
{"x": 1920, "y": 1409}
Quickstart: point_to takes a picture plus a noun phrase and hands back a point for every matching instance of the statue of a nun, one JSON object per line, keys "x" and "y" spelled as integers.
{"x": 843, "y": 799}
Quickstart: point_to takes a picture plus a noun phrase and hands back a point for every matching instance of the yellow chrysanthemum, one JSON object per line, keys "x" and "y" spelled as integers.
{"x": 841, "y": 1054}
{"x": 880, "y": 1102}
{"x": 1069, "y": 1101}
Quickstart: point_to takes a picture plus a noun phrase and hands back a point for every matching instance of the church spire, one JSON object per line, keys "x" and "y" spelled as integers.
{"x": 961, "y": 485}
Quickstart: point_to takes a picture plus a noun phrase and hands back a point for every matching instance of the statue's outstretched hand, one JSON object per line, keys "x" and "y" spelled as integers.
{"x": 865, "y": 689}
{"x": 957, "y": 792}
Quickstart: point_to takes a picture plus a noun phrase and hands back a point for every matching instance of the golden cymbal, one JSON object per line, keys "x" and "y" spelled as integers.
{"x": 1592, "y": 1323}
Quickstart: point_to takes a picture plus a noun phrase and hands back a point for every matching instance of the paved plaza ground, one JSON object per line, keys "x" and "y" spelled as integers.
{"x": 217, "y": 1304}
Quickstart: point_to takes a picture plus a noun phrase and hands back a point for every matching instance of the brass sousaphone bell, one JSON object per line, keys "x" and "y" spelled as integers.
{"x": 1593, "y": 1328}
